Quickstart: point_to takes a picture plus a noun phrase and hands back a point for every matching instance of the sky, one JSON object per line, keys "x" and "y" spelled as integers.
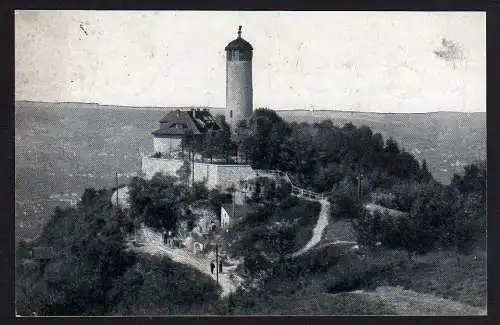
{"x": 357, "y": 61}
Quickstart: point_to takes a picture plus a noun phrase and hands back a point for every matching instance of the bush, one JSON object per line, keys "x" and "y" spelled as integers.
{"x": 88, "y": 245}
{"x": 344, "y": 207}
{"x": 156, "y": 285}
{"x": 91, "y": 273}
{"x": 160, "y": 202}
{"x": 354, "y": 272}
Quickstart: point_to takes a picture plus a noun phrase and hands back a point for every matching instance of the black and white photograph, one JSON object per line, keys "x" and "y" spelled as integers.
{"x": 250, "y": 163}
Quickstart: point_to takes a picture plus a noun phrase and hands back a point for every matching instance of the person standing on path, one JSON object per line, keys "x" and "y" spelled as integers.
{"x": 212, "y": 267}
{"x": 220, "y": 266}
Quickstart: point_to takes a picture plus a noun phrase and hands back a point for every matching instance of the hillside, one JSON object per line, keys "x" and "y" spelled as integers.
{"x": 63, "y": 148}
{"x": 447, "y": 140}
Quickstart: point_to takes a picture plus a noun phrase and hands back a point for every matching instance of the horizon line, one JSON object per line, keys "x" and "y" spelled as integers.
{"x": 213, "y": 107}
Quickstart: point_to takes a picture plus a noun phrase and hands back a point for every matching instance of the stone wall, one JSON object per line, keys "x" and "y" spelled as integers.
{"x": 232, "y": 174}
{"x": 151, "y": 166}
{"x": 212, "y": 174}
{"x": 207, "y": 173}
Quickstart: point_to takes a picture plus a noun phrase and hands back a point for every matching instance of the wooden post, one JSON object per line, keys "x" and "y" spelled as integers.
{"x": 117, "y": 203}
{"x": 233, "y": 202}
{"x": 192, "y": 176}
{"x": 217, "y": 262}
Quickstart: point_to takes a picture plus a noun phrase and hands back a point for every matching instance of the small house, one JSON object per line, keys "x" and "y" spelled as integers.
{"x": 176, "y": 124}
{"x": 233, "y": 213}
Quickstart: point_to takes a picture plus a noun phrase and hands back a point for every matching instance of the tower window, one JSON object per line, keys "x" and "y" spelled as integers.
{"x": 231, "y": 114}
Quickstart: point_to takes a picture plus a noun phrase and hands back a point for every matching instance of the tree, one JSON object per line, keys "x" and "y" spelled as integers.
{"x": 184, "y": 172}
{"x": 219, "y": 144}
{"x": 431, "y": 211}
{"x": 425, "y": 175}
{"x": 267, "y": 134}
{"x": 471, "y": 189}
{"x": 368, "y": 226}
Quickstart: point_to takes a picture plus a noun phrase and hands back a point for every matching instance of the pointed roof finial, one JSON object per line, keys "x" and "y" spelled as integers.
{"x": 239, "y": 32}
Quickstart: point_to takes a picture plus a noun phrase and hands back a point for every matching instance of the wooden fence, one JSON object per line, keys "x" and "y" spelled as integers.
{"x": 296, "y": 190}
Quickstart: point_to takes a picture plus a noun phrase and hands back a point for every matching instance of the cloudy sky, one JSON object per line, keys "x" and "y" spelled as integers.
{"x": 363, "y": 61}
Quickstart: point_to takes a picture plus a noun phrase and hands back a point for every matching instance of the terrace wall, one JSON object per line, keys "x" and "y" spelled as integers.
{"x": 212, "y": 174}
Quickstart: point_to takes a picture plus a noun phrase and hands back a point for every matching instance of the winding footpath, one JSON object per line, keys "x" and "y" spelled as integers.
{"x": 151, "y": 242}
{"x": 318, "y": 230}
{"x": 400, "y": 301}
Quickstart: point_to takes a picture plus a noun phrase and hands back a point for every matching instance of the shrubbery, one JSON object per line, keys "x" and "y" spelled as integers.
{"x": 91, "y": 272}
{"x": 155, "y": 285}
{"x": 161, "y": 201}
{"x": 88, "y": 245}
{"x": 438, "y": 216}
{"x": 272, "y": 233}
{"x": 355, "y": 271}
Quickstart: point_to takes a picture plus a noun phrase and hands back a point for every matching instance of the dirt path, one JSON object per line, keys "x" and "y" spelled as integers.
{"x": 151, "y": 242}
{"x": 409, "y": 302}
{"x": 318, "y": 228}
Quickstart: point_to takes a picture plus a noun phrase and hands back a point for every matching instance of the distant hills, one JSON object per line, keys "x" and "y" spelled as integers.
{"x": 63, "y": 148}
{"x": 448, "y": 140}
{"x": 26, "y": 103}
{"x": 296, "y": 112}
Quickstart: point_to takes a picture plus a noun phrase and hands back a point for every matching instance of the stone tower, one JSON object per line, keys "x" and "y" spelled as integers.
{"x": 239, "y": 91}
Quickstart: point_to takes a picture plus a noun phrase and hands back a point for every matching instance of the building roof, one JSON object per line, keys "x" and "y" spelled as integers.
{"x": 179, "y": 122}
{"x": 202, "y": 204}
{"x": 239, "y": 43}
{"x": 240, "y": 211}
{"x": 43, "y": 252}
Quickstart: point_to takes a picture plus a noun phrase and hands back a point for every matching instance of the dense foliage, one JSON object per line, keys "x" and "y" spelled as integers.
{"x": 92, "y": 273}
{"x": 318, "y": 156}
{"x": 437, "y": 215}
{"x": 155, "y": 285}
{"x": 159, "y": 202}
{"x": 88, "y": 246}
{"x": 270, "y": 234}
{"x": 213, "y": 144}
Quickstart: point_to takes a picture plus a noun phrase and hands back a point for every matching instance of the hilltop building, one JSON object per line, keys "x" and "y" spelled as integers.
{"x": 167, "y": 140}
{"x": 175, "y": 124}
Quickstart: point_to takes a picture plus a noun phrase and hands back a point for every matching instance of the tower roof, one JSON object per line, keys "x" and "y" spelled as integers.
{"x": 239, "y": 43}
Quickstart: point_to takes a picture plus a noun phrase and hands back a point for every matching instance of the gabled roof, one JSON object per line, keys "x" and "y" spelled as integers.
{"x": 179, "y": 122}
{"x": 240, "y": 211}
